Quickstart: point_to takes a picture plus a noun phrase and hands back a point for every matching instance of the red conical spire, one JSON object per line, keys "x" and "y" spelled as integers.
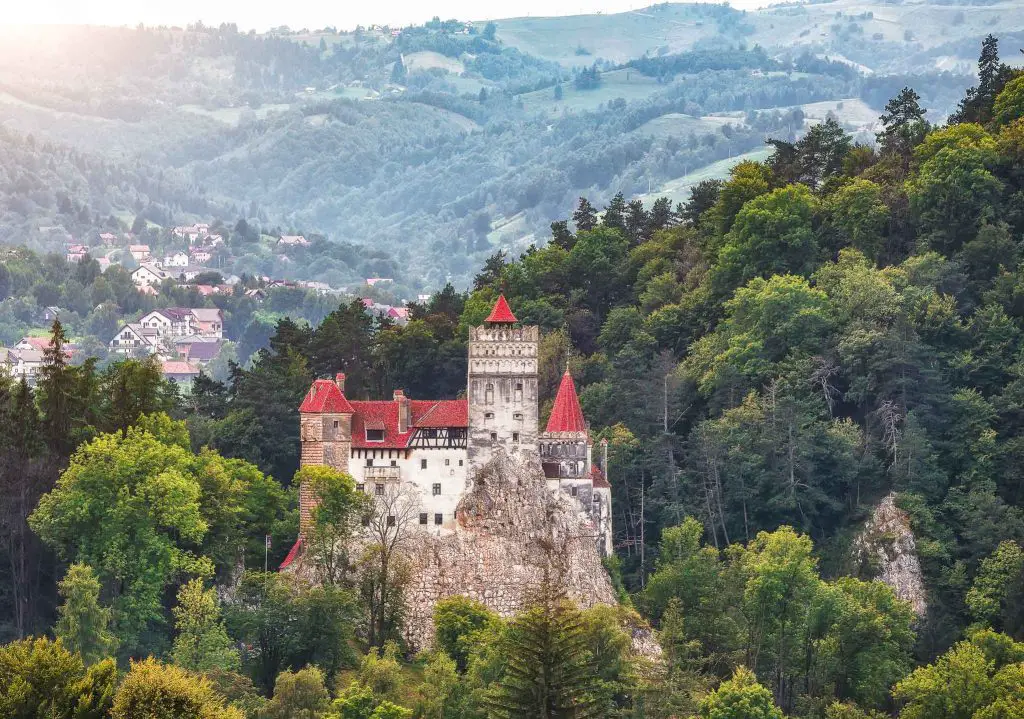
{"x": 566, "y": 415}
{"x": 501, "y": 314}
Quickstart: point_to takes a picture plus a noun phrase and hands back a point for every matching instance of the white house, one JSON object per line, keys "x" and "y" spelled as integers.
{"x": 139, "y": 252}
{"x": 293, "y": 241}
{"x": 148, "y": 275}
{"x": 24, "y": 363}
{"x": 169, "y": 321}
{"x": 132, "y": 338}
{"x": 177, "y": 259}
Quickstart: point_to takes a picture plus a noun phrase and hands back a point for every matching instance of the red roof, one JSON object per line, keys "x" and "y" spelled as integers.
{"x": 501, "y": 314}
{"x": 566, "y": 415}
{"x": 292, "y": 554}
{"x": 383, "y": 414}
{"x": 324, "y": 396}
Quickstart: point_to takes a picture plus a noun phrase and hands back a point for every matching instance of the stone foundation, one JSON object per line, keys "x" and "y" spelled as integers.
{"x": 509, "y": 528}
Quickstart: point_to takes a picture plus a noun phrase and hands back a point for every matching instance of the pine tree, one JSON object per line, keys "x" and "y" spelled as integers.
{"x": 636, "y": 221}
{"x": 585, "y": 216}
{"x": 549, "y": 672}
{"x": 661, "y": 215}
{"x": 561, "y": 236}
{"x": 992, "y": 78}
{"x": 904, "y": 126}
{"x": 615, "y": 213}
{"x": 83, "y": 623}
{"x": 57, "y": 387}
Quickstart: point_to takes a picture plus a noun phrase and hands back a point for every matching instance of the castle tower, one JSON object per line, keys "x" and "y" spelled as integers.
{"x": 502, "y": 387}
{"x": 566, "y": 454}
{"x": 325, "y": 433}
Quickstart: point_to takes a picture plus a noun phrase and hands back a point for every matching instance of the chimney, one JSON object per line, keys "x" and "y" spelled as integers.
{"x": 403, "y": 410}
{"x": 339, "y": 379}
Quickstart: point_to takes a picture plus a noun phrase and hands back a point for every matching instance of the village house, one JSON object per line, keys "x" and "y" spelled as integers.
{"x": 203, "y": 353}
{"x": 180, "y": 373}
{"x": 293, "y": 241}
{"x": 108, "y": 238}
{"x": 133, "y": 339}
{"x": 40, "y": 344}
{"x": 176, "y": 259}
{"x": 51, "y": 313}
{"x": 148, "y": 275}
{"x": 374, "y": 281}
{"x": 170, "y": 321}
{"x": 23, "y": 363}
{"x": 200, "y": 255}
{"x": 77, "y": 252}
{"x": 141, "y": 253}
{"x": 208, "y": 322}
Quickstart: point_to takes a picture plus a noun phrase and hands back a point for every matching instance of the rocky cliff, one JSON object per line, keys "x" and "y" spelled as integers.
{"x": 509, "y": 529}
{"x": 886, "y": 545}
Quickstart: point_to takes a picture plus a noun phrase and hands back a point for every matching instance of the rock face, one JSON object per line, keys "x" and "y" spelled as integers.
{"x": 887, "y": 545}
{"x": 509, "y": 528}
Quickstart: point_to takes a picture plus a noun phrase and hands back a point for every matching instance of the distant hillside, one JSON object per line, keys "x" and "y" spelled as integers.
{"x": 438, "y": 145}
{"x": 879, "y": 36}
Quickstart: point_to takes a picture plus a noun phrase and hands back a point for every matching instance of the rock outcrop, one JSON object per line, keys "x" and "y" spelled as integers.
{"x": 887, "y": 546}
{"x": 509, "y": 529}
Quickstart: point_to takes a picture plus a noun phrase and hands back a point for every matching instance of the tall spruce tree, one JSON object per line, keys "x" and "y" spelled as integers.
{"x": 585, "y": 216}
{"x": 57, "y": 390}
{"x": 992, "y": 78}
{"x": 549, "y": 672}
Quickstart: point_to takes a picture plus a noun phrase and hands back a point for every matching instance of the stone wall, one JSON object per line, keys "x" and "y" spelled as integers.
{"x": 509, "y": 528}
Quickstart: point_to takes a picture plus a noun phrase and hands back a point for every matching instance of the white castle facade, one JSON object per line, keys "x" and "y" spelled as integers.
{"x": 435, "y": 446}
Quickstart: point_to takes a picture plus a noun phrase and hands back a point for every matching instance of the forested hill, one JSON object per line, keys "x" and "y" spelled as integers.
{"x": 832, "y": 326}
{"x": 442, "y": 143}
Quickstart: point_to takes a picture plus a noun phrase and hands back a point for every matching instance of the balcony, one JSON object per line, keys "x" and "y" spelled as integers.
{"x": 389, "y": 474}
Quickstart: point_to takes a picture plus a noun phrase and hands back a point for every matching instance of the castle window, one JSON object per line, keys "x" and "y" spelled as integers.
{"x": 374, "y": 435}
{"x": 391, "y": 520}
{"x": 494, "y": 436}
{"x": 360, "y": 487}
{"x": 423, "y": 517}
{"x": 518, "y": 415}
{"x": 515, "y": 436}
{"x": 519, "y": 386}
{"x": 335, "y": 424}
{"x": 423, "y": 464}
{"x": 437, "y": 489}
{"x": 518, "y": 394}
{"x": 488, "y": 415}
{"x": 438, "y": 518}
{"x": 447, "y": 462}
{"x": 369, "y": 463}
{"x": 460, "y": 462}
{"x": 378, "y": 489}
{"x": 489, "y": 393}
{"x": 574, "y": 491}
{"x": 394, "y": 463}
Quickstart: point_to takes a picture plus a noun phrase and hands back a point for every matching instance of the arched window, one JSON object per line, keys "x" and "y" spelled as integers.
{"x": 489, "y": 393}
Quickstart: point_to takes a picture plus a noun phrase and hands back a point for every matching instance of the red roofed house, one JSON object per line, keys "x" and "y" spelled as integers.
{"x": 435, "y": 446}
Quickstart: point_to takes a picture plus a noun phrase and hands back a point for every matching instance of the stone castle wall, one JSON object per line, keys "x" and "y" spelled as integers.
{"x": 509, "y": 528}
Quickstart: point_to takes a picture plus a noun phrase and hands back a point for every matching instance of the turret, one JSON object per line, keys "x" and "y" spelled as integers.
{"x": 326, "y": 434}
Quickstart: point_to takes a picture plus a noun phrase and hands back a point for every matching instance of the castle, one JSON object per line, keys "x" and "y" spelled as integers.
{"x": 438, "y": 446}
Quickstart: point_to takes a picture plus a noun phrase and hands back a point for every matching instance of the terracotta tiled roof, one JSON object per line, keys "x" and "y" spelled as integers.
{"x": 501, "y": 313}
{"x": 598, "y": 478}
{"x": 566, "y": 415}
{"x": 383, "y": 414}
{"x": 324, "y": 396}
{"x": 178, "y": 367}
{"x": 443, "y": 413}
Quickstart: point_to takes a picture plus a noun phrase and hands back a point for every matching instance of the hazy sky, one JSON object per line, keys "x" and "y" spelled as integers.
{"x": 263, "y": 14}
